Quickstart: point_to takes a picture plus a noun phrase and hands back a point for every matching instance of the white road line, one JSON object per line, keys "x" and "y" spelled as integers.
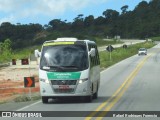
{"x": 28, "y": 106}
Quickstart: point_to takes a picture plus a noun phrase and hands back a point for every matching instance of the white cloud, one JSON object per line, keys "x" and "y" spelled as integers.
{"x": 7, "y": 19}
{"x": 16, "y": 9}
{"x": 56, "y": 7}
{"x": 11, "y": 5}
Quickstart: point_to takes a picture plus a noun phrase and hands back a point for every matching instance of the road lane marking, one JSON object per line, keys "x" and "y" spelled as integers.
{"x": 119, "y": 93}
{"x": 28, "y": 106}
{"x": 116, "y": 99}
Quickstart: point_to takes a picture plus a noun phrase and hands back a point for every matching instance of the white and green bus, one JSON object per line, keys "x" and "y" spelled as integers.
{"x": 69, "y": 68}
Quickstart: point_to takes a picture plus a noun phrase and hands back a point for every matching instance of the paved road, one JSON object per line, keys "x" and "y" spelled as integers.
{"x": 130, "y": 85}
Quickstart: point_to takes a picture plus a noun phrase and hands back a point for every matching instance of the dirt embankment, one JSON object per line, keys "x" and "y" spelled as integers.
{"x": 12, "y": 82}
{"x": 10, "y": 89}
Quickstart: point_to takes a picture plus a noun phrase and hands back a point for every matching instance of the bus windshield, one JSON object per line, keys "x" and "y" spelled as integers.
{"x": 64, "y": 57}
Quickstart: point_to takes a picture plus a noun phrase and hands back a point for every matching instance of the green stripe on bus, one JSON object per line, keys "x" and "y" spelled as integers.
{"x": 63, "y": 75}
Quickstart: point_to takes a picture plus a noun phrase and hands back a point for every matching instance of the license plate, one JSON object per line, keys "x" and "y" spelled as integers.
{"x": 64, "y": 87}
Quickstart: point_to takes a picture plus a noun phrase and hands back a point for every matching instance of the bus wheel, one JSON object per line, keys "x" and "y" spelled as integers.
{"x": 44, "y": 99}
{"x": 95, "y": 95}
{"x": 88, "y": 98}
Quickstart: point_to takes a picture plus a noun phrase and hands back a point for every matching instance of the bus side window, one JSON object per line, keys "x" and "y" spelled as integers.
{"x": 94, "y": 60}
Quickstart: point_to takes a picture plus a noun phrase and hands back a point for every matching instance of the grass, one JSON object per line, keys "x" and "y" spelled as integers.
{"x": 2, "y": 102}
{"x": 24, "y": 53}
{"x": 101, "y": 42}
{"x": 156, "y": 38}
{"x": 25, "y": 98}
{"x": 19, "y": 54}
{"x": 121, "y": 54}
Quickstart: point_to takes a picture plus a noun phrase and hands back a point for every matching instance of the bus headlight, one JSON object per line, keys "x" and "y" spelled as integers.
{"x": 82, "y": 80}
{"x": 44, "y": 80}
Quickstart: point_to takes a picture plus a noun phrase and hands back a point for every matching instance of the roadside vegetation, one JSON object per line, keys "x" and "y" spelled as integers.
{"x": 101, "y": 42}
{"x": 7, "y": 53}
{"x": 2, "y": 102}
{"x": 25, "y": 98}
{"x": 156, "y": 38}
{"x": 119, "y": 54}
{"x": 25, "y": 52}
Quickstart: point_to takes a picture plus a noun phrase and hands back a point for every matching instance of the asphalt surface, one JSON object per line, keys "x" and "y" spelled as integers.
{"x": 130, "y": 85}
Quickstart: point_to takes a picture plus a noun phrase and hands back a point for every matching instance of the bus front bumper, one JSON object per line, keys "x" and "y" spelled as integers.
{"x": 82, "y": 89}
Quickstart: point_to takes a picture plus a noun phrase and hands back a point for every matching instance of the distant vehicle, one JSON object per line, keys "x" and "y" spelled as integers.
{"x": 69, "y": 68}
{"x": 142, "y": 51}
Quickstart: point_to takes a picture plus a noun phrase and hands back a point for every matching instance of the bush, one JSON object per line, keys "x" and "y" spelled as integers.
{"x": 25, "y": 98}
{"x": 22, "y": 99}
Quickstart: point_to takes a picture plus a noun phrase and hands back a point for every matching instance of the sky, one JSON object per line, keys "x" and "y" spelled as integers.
{"x": 43, "y": 11}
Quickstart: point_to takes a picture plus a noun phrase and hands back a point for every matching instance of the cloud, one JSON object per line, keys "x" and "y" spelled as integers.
{"x": 11, "y": 5}
{"x": 16, "y": 9}
{"x": 7, "y": 19}
{"x": 56, "y": 7}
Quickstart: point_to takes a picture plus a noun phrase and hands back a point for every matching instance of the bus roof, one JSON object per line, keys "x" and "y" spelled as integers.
{"x": 69, "y": 39}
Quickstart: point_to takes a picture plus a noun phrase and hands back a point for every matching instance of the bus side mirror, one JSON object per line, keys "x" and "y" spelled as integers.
{"x": 92, "y": 52}
{"x": 37, "y": 53}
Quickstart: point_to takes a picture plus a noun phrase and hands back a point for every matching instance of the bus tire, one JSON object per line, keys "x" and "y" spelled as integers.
{"x": 95, "y": 95}
{"x": 44, "y": 100}
{"x": 88, "y": 99}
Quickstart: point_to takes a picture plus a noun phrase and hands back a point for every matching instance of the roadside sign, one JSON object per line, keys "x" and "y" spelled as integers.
{"x": 29, "y": 82}
{"x": 110, "y": 48}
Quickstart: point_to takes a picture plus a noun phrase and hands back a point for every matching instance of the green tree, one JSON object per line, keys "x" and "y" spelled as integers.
{"x": 124, "y": 9}
{"x": 88, "y": 21}
{"x": 99, "y": 21}
{"x": 6, "y": 50}
{"x": 78, "y": 23}
{"x": 111, "y": 14}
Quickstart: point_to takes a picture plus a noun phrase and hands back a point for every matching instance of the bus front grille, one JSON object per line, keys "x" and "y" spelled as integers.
{"x": 71, "y": 90}
{"x": 63, "y": 82}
